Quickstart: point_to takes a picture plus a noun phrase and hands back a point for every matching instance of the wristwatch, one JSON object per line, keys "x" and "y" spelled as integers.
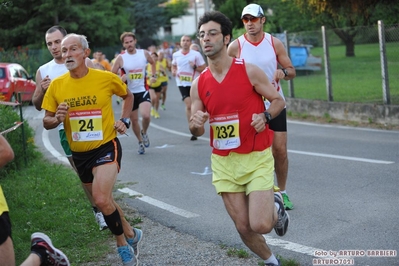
{"x": 268, "y": 117}
{"x": 126, "y": 121}
{"x": 285, "y": 71}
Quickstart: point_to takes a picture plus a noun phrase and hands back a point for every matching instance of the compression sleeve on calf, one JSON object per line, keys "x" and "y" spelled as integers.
{"x": 114, "y": 223}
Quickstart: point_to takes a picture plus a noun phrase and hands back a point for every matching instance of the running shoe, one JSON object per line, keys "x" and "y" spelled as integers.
{"x": 127, "y": 255}
{"x": 163, "y": 107}
{"x": 156, "y": 114}
{"x": 288, "y": 205}
{"x": 146, "y": 140}
{"x": 272, "y": 264}
{"x": 100, "y": 220}
{"x": 152, "y": 111}
{"x": 193, "y": 138}
{"x": 118, "y": 100}
{"x": 54, "y": 256}
{"x": 281, "y": 226}
{"x": 141, "y": 148}
{"x": 135, "y": 241}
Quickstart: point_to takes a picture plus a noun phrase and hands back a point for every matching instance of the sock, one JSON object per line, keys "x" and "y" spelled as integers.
{"x": 95, "y": 209}
{"x": 272, "y": 259}
{"x": 283, "y": 192}
{"x": 40, "y": 251}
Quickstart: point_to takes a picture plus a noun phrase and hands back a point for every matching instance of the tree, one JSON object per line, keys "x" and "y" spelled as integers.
{"x": 233, "y": 9}
{"x": 175, "y": 9}
{"x": 25, "y": 22}
{"x": 343, "y": 16}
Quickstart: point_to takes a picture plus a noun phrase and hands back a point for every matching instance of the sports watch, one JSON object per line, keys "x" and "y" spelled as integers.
{"x": 126, "y": 121}
{"x": 268, "y": 117}
{"x": 285, "y": 71}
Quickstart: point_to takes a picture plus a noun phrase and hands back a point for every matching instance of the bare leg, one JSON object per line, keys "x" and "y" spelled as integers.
{"x": 134, "y": 118}
{"x": 163, "y": 92}
{"x": 32, "y": 260}
{"x": 187, "y": 102}
{"x": 87, "y": 192}
{"x": 253, "y": 216}
{"x": 7, "y": 256}
{"x": 145, "y": 110}
{"x": 103, "y": 183}
{"x": 279, "y": 149}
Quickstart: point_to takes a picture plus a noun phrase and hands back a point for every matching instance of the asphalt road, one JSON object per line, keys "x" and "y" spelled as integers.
{"x": 343, "y": 182}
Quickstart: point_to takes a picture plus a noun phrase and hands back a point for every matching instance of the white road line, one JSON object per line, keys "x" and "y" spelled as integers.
{"x": 291, "y": 151}
{"x": 341, "y": 157}
{"x": 292, "y": 246}
{"x": 50, "y": 148}
{"x": 343, "y": 127}
{"x": 159, "y": 204}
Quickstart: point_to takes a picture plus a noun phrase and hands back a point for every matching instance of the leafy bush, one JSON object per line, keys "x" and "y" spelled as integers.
{"x": 20, "y": 139}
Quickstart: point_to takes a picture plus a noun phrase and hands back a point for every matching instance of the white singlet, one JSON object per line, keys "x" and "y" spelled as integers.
{"x": 185, "y": 73}
{"x": 135, "y": 67}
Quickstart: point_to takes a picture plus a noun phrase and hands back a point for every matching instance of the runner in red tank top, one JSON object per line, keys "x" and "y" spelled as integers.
{"x": 229, "y": 94}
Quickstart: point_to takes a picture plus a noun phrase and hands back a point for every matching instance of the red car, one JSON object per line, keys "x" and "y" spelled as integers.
{"x": 15, "y": 79}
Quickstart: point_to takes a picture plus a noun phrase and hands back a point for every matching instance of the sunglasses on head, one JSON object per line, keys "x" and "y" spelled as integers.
{"x": 253, "y": 19}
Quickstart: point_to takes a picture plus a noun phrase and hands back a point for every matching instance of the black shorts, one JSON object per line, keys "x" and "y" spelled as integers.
{"x": 156, "y": 89}
{"x": 5, "y": 227}
{"x": 110, "y": 152}
{"x": 184, "y": 91}
{"x": 279, "y": 123}
{"x": 139, "y": 98}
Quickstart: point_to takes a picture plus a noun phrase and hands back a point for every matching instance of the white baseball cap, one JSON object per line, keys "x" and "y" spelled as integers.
{"x": 253, "y": 10}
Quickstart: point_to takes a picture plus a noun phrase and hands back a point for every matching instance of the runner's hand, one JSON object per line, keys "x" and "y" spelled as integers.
{"x": 198, "y": 119}
{"x": 62, "y": 111}
{"x": 258, "y": 122}
{"x": 120, "y": 127}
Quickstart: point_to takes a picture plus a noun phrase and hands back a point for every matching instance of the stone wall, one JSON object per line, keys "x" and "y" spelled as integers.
{"x": 357, "y": 112}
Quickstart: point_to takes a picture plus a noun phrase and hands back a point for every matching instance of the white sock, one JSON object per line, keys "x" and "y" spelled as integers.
{"x": 283, "y": 192}
{"x": 272, "y": 259}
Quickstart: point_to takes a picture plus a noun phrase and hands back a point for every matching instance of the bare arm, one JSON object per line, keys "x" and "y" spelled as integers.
{"x": 117, "y": 65}
{"x": 199, "y": 116}
{"x": 284, "y": 61}
{"x": 200, "y": 68}
{"x": 263, "y": 86}
{"x": 232, "y": 49}
{"x": 6, "y": 152}
{"x": 127, "y": 107}
{"x": 153, "y": 64}
{"x": 52, "y": 120}
{"x": 127, "y": 104}
{"x": 41, "y": 88}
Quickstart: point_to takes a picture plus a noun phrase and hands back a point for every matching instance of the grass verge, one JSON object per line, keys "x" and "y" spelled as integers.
{"x": 48, "y": 198}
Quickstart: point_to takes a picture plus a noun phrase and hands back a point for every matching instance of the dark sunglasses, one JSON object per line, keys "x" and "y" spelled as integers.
{"x": 253, "y": 19}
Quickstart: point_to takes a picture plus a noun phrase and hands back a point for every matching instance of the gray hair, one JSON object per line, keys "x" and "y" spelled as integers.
{"x": 83, "y": 39}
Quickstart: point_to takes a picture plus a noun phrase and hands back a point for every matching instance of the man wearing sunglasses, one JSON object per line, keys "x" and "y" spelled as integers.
{"x": 268, "y": 52}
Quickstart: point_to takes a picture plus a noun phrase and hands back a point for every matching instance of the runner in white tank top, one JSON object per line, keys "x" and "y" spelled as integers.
{"x": 185, "y": 63}
{"x": 269, "y": 53}
{"x": 131, "y": 65}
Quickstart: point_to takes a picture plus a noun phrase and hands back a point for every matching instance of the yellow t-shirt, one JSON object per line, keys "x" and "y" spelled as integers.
{"x": 158, "y": 75}
{"x": 164, "y": 76}
{"x": 90, "y": 120}
{"x": 3, "y": 202}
